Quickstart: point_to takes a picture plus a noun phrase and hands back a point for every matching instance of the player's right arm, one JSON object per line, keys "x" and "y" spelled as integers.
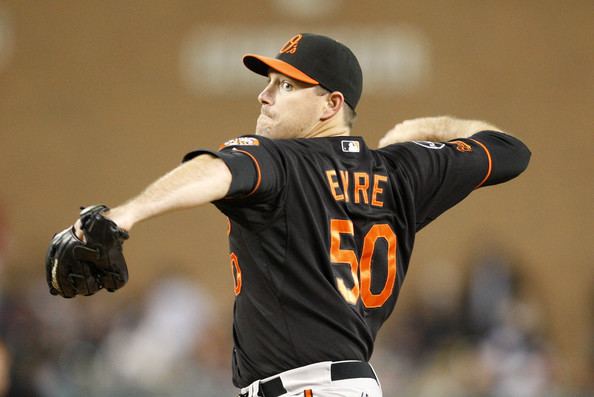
{"x": 198, "y": 181}
{"x": 440, "y": 174}
{"x": 434, "y": 129}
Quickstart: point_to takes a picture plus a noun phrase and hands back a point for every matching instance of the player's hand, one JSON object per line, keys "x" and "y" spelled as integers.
{"x": 78, "y": 232}
{"x": 108, "y": 214}
{"x": 88, "y": 256}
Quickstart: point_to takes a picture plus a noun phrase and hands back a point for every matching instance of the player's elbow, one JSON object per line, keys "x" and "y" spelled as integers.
{"x": 510, "y": 158}
{"x": 519, "y": 156}
{"x": 523, "y": 157}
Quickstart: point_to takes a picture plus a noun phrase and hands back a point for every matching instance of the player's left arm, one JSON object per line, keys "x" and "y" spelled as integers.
{"x": 85, "y": 258}
{"x": 242, "y": 168}
{"x": 201, "y": 180}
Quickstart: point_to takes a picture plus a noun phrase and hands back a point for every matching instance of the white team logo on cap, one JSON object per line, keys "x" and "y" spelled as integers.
{"x": 350, "y": 146}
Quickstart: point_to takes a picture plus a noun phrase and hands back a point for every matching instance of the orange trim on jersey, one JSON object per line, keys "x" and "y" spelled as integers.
{"x": 308, "y": 393}
{"x": 236, "y": 273}
{"x": 257, "y": 169}
{"x": 490, "y": 163}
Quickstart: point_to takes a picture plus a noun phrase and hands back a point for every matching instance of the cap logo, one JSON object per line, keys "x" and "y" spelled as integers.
{"x": 290, "y": 46}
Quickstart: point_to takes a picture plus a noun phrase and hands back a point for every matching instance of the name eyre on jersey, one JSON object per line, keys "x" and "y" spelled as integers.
{"x": 364, "y": 188}
{"x": 322, "y": 233}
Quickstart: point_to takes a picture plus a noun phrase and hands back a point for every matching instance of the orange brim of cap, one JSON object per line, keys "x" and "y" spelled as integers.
{"x": 261, "y": 64}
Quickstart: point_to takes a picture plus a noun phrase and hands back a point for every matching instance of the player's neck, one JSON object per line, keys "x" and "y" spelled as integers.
{"x": 327, "y": 128}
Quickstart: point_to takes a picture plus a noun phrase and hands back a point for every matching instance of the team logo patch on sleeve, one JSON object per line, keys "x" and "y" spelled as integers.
{"x": 350, "y": 146}
{"x": 429, "y": 144}
{"x": 241, "y": 141}
{"x": 461, "y": 146}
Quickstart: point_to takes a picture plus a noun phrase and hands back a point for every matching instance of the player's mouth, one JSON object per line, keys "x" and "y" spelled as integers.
{"x": 264, "y": 111}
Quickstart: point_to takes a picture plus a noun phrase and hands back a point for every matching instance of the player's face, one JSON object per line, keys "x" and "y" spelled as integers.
{"x": 290, "y": 109}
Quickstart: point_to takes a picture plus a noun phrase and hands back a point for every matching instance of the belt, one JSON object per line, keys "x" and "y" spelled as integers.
{"x": 338, "y": 371}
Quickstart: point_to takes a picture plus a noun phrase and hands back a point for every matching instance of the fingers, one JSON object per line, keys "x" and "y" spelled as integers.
{"x": 78, "y": 231}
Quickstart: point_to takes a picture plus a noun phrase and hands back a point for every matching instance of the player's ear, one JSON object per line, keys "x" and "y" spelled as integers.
{"x": 333, "y": 104}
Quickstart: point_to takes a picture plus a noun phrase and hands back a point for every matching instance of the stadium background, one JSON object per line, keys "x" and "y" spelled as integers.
{"x": 98, "y": 98}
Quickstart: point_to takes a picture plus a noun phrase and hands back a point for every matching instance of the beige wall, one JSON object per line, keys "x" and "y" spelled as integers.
{"x": 93, "y": 106}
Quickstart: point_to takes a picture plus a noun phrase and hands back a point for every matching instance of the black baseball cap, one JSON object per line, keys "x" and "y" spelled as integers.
{"x": 314, "y": 59}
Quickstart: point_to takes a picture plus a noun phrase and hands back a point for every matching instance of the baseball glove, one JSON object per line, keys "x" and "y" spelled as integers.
{"x": 75, "y": 267}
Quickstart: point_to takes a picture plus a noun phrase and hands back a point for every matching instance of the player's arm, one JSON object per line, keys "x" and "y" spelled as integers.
{"x": 201, "y": 180}
{"x": 83, "y": 259}
{"x": 435, "y": 129}
{"x": 440, "y": 174}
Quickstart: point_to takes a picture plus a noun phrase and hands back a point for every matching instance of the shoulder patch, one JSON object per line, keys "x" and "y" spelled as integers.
{"x": 429, "y": 144}
{"x": 350, "y": 146}
{"x": 241, "y": 141}
{"x": 461, "y": 146}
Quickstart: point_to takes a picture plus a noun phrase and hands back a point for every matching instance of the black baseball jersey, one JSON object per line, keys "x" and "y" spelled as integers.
{"x": 321, "y": 232}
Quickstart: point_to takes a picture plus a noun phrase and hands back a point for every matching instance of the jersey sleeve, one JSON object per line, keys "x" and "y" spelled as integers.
{"x": 441, "y": 174}
{"x": 256, "y": 170}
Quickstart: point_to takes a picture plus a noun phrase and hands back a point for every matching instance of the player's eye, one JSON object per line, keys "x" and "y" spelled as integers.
{"x": 286, "y": 86}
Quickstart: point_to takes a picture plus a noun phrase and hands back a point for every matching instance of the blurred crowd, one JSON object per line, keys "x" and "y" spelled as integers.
{"x": 479, "y": 334}
{"x": 166, "y": 343}
{"x": 472, "y": 334}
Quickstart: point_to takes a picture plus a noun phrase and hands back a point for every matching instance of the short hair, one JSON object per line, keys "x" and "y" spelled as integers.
{"x": 349, "y": 114}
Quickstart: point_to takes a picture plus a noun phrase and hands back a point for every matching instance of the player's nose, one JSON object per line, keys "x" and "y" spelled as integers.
{"x": 265, "y": 96}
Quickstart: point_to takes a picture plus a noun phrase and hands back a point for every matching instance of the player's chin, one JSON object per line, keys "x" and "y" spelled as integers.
{"x": 263, "y": 128}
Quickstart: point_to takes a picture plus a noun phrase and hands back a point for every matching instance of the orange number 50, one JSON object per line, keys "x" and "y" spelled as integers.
{"x": 362, "y": 284}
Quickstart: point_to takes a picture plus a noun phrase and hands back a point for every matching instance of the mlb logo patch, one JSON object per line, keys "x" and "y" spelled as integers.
{"x": 350, "y": 146}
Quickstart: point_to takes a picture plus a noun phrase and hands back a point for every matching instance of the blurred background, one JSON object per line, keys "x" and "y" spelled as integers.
{"x": 98, "y": 98}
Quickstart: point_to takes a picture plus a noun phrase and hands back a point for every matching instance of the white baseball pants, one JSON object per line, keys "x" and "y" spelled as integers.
{"x": 325, "y": 379}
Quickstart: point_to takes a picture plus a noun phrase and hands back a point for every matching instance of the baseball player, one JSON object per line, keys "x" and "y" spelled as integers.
{"x": 321, "y": 227}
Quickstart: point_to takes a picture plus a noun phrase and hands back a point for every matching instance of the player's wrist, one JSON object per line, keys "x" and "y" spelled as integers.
{"x": 121, "y": 217}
